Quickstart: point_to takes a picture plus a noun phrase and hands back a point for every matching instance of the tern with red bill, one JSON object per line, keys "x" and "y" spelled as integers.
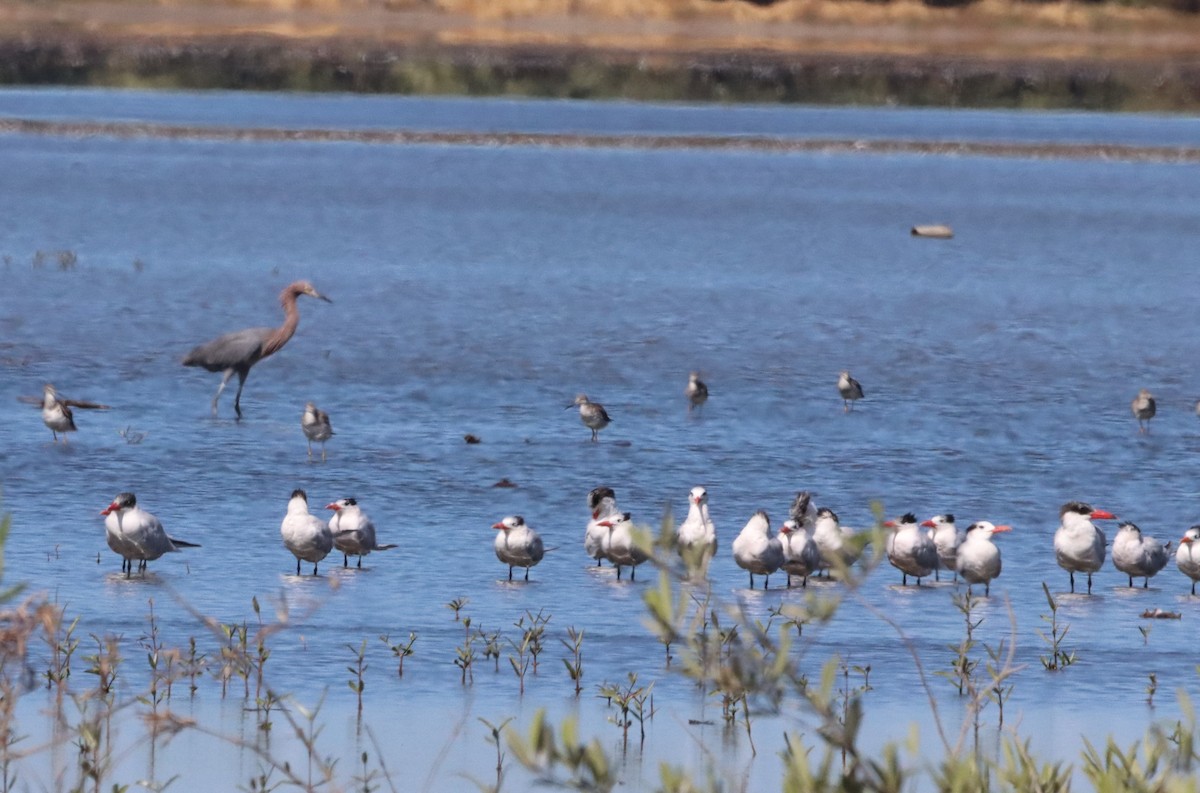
{"x": 134, "y": 533}
{"x": 756, "y": 551}
{"x": 517, "y": 545}
{"x": 947, "y": 538}
{"x": 1187, "y": 558}
{"x": 304, "y": 534}
{"x": 620, "y": 548}
{"x": 353, "y": 532}
{"x": 1079, "y": 543}
{"x": 1134, "y": 554}
{"x": 978, "y": 558}
{"x": 910, "y": 550}
{"x": 602, "y": 503}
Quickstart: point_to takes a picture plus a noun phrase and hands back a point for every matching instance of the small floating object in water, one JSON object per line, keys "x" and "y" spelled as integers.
{"x": 505, "y": 482}
{"x": 469, "y": 438}
{"x": 937, "y": 232}
{"x": 1159, "y": 614}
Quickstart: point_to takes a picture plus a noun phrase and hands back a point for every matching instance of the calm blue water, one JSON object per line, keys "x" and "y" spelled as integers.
{"x": 477, "y": 290}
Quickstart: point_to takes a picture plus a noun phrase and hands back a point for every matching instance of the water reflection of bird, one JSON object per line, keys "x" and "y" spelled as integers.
{"x": 756, "y": 551}
{"x": 1144, "y": 408}
{"x": 1078, "y": 543}
{"x": 696, "y": 391}
{"x": 1134, "y": 554}
{"x": 353, "y": 531}
{"x": 1187, "y": 558}
{"x": 134, "y": 533}
{"x": 316, "y": 426}
{"x": 850, "y": 389}
{"x": 517, "y": 545}
{"x": 592, "y": 414}
{"x": 978, "y": 558}
{"x": 56, "y": 410}
{"x": 234, "y": 353}
{"x": 910, "y": 550}
{"x": 304, "y": 534}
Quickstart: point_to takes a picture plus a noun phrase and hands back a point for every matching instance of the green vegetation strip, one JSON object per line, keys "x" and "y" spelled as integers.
{"x": 752, "y": 143}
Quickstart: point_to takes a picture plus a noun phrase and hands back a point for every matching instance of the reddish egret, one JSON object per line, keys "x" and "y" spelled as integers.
{"x": 696, "y": 391}
{"x": 353, "y": 532}
{"x": 56, "y": 411}
{"x": 592, "y": 414}
{"x": 517, "y": 545}
{"x": 136, "y": 534}
{"x": 1143, "y": 408}
{"x": 850, "y": 389}
{"x": 234, "y": 353}
{"x": 316, "y": 426}
{"x": 304, "y": 534}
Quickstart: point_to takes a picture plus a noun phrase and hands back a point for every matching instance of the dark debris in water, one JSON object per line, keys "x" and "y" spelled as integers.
{"x": 1160, "y": 614}
{"x": 505, "y": 482}
{"x": 469, "y": 438}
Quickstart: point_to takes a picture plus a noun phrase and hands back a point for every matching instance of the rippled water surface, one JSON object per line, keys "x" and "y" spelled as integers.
{"x": 477, "y": 290}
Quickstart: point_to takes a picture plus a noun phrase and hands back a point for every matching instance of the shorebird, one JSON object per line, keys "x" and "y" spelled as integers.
{"x": 696, "y": 536}
{"x": 978, "y": 558}
{"x": 620, "y": 547}
{"x": 234, "y": 353}
{"x": 304, "y": 534}
{"x": 592, "y": 414}
{"x": 756, "y": 551}
{"x": 353, "y": 532}
{"x": 1187, "y": 557}
{"x": 134, "y": 533}
{"x": 910, "y": 550}
{"x": 517, "y": 545}
{"x": 602, "y": 502}
{"x": 834, "y": 541}
{"x": 56, "y": 410}
{"x": 850, "y": 389}
{"x": 1078, "y": 543}
{"x": 1144, "y": 408}
{"x": 947, "y": 538}
{"x": 696, "y": 391}
{"x": 316, "y": 426}
{"x": 1137, "y": 555}
{"x": 800, "y": 554}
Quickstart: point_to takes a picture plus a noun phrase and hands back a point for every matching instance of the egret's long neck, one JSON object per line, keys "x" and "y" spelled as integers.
{"x": 291, "y": 321}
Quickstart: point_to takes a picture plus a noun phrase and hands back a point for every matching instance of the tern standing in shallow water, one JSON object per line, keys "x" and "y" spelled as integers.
{"x": 947, "y": 538}
{"x": 1144, "y": 408}
{"x": 1079, "y": 543}
{"x": 136, "y": 534}
{"x": 234, "y": 353}
{"x": 517, "y": 545}
{"x": 978, "y": 558}
{"x": 756, "y": 551}
{"x": 592, "y": 414}
{"x": 316, "y": 426}
{"x": 850, "y": 389}
{"x": 696, "y": 392}
{"x": 910, "y": 550}
{"x": 56, "y": 410}
{"x": 602, "y": 503}
{"x": 697, "y": 535}
{"x": 353, "y": 532}
{"x": 620, "y": 547}
{"x": 834, "y": 541}
{"x": 304, "y": 534}
{"x": 1187, "y": 558}
{"x": 1134, "y": 554}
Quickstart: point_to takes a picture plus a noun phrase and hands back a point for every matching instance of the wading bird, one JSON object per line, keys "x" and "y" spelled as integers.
{"x": 602, "y": 502}
{"x": 304, "y": 534}
{"x": 978, "y": 558}
{"x": 234, "y": 353}
{"x": 134, "y": 533}
{"x": 756, "y": 551}
{"x": 1144, "y": 408}
{"x": 316, "y": 426}
{"x": 850, "y": 389}
{"x": 592, "y": 414}
{"x": 1137, "y": 555}
{"x": 56, "y": 411}
{"x": 353, "y": 531}
{"x": 1187, "y": 558}
{"x": 1078, "y": 543}
{"x": 947, "y": 538}
{"x": 910, "y": 550}
{"x": 517, "y": 545}
{"x": 696, "y": 391}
